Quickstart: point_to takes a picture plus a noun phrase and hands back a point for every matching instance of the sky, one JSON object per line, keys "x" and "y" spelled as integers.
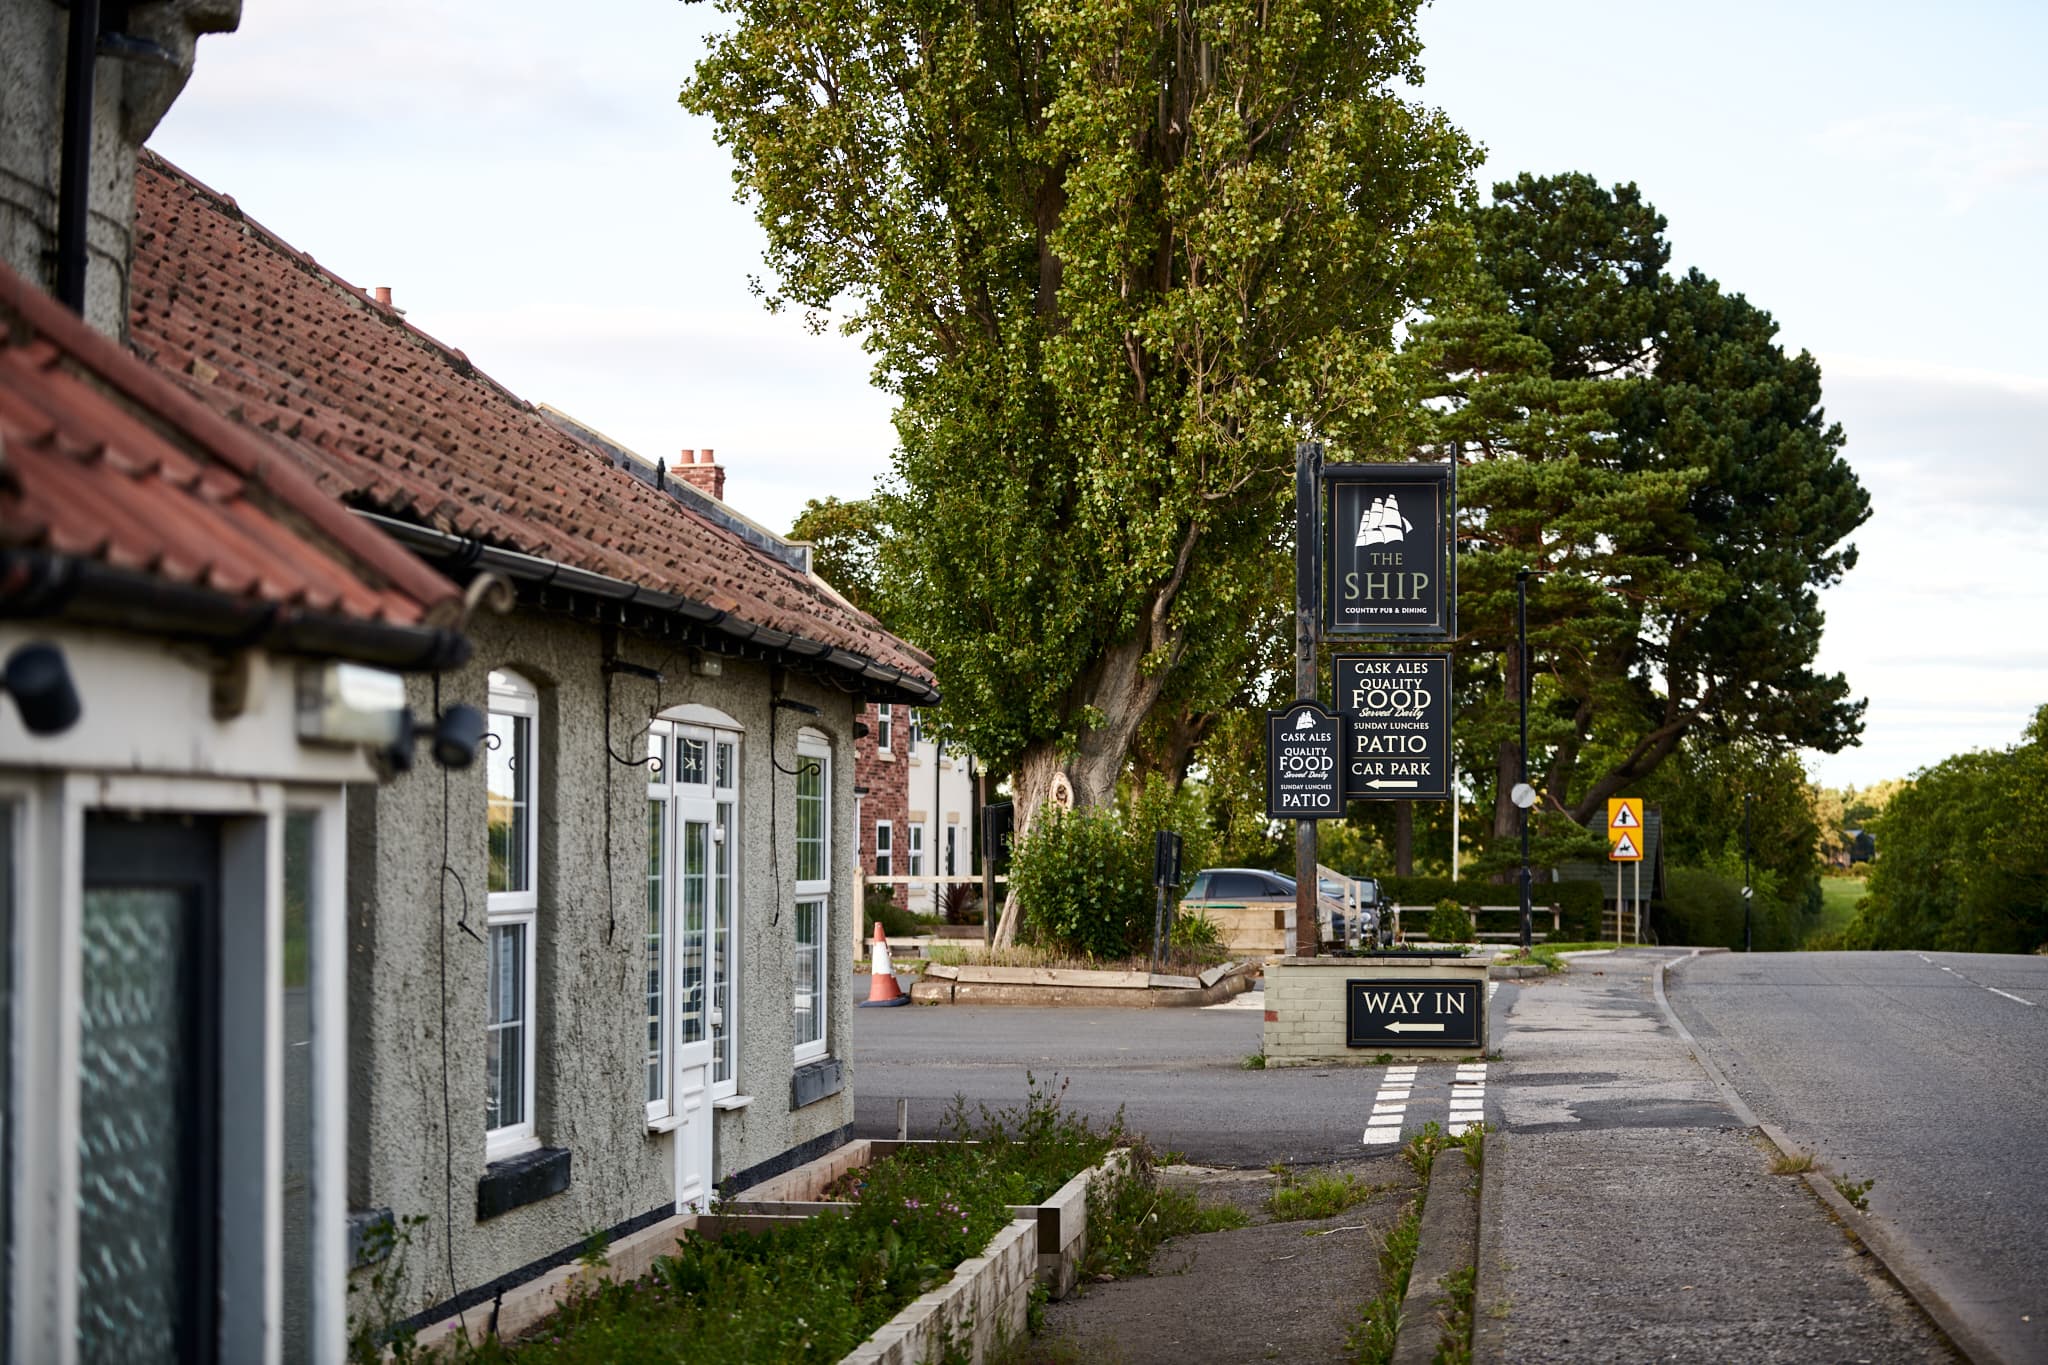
{"x": 1875, "y": 175}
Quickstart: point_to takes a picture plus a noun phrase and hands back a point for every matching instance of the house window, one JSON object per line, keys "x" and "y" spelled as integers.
{"x": 692, "y": 892}
{"x": 884, "y": 849}
{"x": 813, "y": 887}
{"x": 916, "y": 728}
{"x": 882, "y": 727}
{"x": 511, "y": 786}
{"x": 916, "y": 832}
{"x": 952, "y": 840}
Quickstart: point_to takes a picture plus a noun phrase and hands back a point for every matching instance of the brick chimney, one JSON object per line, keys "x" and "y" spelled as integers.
{"x": 702, "y": 470}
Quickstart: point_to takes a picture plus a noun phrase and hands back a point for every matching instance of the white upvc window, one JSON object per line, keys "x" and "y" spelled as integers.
{"x": 885, "y": 849}
{"x": 512, "y": 786}
{"x": 813, "y": 893}
{"x": 916, "y": 831}
{"x": 916, "y": 728}
{"x": 883, "y": 727}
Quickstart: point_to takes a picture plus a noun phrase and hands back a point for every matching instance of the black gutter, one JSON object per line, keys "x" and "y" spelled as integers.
{"x": 463, "y": 553}
{"x": 36, "y": 584}
{"x": 74, "y": 185}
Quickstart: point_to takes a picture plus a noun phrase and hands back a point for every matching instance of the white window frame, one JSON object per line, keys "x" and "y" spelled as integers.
{"x": 915, "y": 853}
{"x": 661, "y": 791}
{"x": 699, "y": 801}
{"x": 514, "y": 697}
{"x": 885, "y": 849}
{"x": 884, "y": 727}
{"x": 916, "y": 729}
{"x": 813, "y": 747}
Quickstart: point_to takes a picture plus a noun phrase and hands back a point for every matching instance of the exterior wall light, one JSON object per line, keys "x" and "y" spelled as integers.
{"x": 40, "y": 681}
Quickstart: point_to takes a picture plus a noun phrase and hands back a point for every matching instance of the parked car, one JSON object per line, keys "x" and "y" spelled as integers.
{"x": 1254, "y": 909}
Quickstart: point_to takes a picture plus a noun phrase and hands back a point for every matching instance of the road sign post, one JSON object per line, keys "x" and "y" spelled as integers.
{"x": 1625, "y": 845}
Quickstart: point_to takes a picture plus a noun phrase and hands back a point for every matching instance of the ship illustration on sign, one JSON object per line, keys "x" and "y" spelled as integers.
{"x": 1305, "y": 721}
{"x": 1383, "y": 522}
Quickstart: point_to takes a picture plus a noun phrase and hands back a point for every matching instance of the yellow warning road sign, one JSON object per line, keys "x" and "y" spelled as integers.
{"x": 1623, "y": 812}
{"x": 1624, "y": 849}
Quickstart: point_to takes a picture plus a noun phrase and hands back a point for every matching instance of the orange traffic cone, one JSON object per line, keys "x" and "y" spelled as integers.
{"x": 882, "y": 987}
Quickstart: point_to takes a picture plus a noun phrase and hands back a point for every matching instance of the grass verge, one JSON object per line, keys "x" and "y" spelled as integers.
{"x": 1320, "y": 1196}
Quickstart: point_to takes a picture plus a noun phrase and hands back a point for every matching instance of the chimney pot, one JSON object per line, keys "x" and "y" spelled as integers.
{"x": 704, "y": 456}
{"x": 384, "y": 294}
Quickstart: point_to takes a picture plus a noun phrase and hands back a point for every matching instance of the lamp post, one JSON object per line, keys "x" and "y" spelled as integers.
{"x": 1746, "y": 889}
{"x": 1524, "y": 795}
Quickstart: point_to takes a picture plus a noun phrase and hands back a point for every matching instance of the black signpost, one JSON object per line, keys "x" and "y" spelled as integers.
{"x": 1387, "y": 528}
{"x": 1414, "y": 1012}
{"x": 1165, "y": 876}
{"x": 1304, "y": 764}
{"x": 1397, "y": 726}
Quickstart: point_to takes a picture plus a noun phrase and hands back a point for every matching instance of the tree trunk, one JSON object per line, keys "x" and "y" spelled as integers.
{"x": 1121, "y": 691}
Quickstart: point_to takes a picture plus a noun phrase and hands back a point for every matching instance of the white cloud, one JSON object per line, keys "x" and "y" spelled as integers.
{"x": 1967, "y": 157}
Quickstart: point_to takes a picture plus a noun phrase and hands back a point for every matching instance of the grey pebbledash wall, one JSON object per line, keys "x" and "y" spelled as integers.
{"x": 417, "y": 979}
{"x": 130, "y": 97}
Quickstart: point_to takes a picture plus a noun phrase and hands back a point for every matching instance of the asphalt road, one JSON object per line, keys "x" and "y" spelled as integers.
{"x": 1177, "y": 1074}
{"x": 1922, "y": 1072}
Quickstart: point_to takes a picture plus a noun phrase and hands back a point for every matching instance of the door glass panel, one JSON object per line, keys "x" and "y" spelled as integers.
{"x": 137, "y": 1100}
{"x": 690, "y": 927}
{"x": 691, "y": 769}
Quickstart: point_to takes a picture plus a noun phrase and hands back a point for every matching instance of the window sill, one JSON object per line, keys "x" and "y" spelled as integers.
{"x": 523, "y": 1180}
{"x": 667, "y": 1123}
{"x": 509, "y": 1148}
{"x": 731, "y": 1102}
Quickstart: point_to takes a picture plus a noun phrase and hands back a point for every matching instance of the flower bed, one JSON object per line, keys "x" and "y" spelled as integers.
{"x": 923, "y": 1258}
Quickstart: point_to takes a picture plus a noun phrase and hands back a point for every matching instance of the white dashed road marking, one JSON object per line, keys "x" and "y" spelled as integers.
{"x": 2016, "y": 999}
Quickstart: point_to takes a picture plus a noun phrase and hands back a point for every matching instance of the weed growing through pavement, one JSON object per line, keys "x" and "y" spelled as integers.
{"x": 1857, "y": 1192}
{"x": 1454, "y": 1344}
{"x": 1253, "y": 1061}
{"x": 1372, "y": 1339}
{"x": 1792, "y": 1163}
{"x": 1420, "y": 1153}
{"x": 1473, "y": 1142}
{"x": 1322, "y": 1195}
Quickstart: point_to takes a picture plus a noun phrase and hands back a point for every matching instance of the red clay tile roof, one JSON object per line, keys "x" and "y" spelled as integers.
{"x": 103, "y": 461}
{"x": 389, "y": 419}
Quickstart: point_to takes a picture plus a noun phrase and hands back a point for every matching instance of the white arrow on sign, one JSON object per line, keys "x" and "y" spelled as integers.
{"x": 1415, "y": 1028}
{"x": 1383, "y": 782}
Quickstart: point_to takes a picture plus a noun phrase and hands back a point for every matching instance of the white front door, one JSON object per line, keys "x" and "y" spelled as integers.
{"x": 695, "y": 888}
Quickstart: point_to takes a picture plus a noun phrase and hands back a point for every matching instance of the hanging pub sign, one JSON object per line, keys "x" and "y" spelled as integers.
{"x": 1387, "y": 527}
{"x": 1397, "y": 726}
{"x": 1304, "y": 746}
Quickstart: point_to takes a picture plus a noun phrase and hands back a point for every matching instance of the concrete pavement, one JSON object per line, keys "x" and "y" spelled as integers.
{"x": 1630, "y": 1215}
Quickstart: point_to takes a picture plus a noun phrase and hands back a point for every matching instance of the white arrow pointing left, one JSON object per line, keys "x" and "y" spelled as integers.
{"x": 1415, "y": 1028}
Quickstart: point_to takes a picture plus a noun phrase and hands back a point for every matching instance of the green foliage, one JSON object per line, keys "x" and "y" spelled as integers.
{"x": 377, "y": 1284}
{"x": 1253, "y": 1061}
{"x": 1372, "y": 1338}
{"x": 816, "y": 1290}
{"x": 1960, "y": 864}
{"x": 1322, "y": 1195}
{"x": 1112, "y": 260}
{"x": 1083, "y": 878}
{"x": 1644, "y": 445}
{"x": 1448, "y": 923}
{"x": 1701, "y": 793}
{"x": 1193, "y": 929}
{"x": 1454, "y": 1345}
{"x": 1857, "y": 1192}
{"x": 879, "y": 905}
{"x": 1082, "y": 885}
{"x": 846, "y": 546}
{"x": 1131, "y": 1211}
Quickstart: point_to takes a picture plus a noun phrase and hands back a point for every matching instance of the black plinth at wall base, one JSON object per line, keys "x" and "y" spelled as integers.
{"x": 524, "y": 1179}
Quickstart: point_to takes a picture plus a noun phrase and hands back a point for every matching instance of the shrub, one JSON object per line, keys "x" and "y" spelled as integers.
{"x": 881, "y": 908}
{"x": 960, "y": 903}
{"x": 1448, "y": 923}
{"x": 1081, "y": 884}
{"x": 1193, "y": 929}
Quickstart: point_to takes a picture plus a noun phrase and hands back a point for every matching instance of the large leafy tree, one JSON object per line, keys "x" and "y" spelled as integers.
{"x": 1114, "y": 257}
{"x": 1643, "y": 446}
{"x": 1960, "y": 855}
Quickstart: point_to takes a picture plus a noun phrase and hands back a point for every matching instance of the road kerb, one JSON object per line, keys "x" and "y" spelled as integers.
{"x": 1899, "y": 1262}
{"x": 1489, "y": 1301}
{"x": 1448, "y": 1241}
